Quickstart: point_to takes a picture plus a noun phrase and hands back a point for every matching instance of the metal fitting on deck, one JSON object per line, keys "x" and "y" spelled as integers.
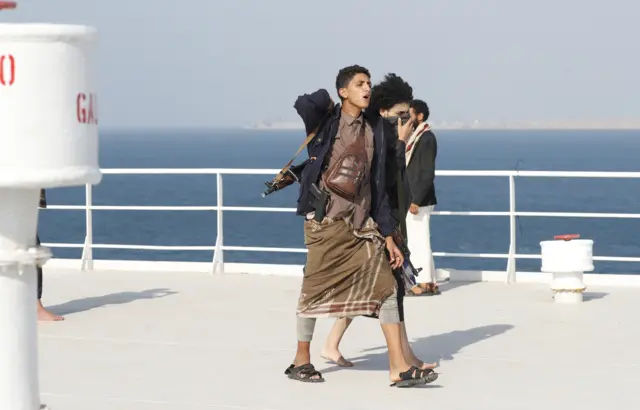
{"x": 567, "y": 258}
{"x": 25, "y": 257}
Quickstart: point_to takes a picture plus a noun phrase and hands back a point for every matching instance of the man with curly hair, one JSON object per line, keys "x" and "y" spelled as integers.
{"x": 350, "y": 248}
{"x": 390, "y": 101}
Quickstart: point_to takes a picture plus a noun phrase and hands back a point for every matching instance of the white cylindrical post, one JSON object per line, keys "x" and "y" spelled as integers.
{"x": 18, "y": 339}
{"x": 48, "y": 139}
{"x": 567, "y": 260}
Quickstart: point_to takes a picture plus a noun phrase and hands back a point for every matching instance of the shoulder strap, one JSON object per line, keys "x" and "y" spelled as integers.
{"x": 304, "y": 144}
{"x": 362, "y": 132}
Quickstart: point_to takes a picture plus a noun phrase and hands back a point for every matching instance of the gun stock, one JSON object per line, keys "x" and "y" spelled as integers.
{"x": 284, "y": 179}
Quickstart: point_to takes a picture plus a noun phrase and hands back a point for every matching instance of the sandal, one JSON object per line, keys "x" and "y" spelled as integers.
{"x": 430, "y": 288}
{"x": 415, "y": 377}
{"x": 417, "y": 291}
{"x": 304, "y": 373}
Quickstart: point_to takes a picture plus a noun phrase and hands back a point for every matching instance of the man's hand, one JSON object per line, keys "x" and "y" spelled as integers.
{"x": 414, "y": 209}
{"x": 396, "y": 258}
{"x": 405, "y": 130}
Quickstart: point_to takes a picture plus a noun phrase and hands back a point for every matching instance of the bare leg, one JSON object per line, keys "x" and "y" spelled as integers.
{"x": 43, "y": 314}
{"x": 331, "y": 351}
{"x": 302, "y": 369}
{"x": 400, "y": 369}
{"x": 303, "y": 354}
{"x": 397, "y": 363}
{"x": 46, "y": 316}
{"x": 409, "y": 356}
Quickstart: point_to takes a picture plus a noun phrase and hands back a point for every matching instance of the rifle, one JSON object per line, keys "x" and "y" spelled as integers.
{"x": 288, "y": 174}
{"x": 402, "y": 245}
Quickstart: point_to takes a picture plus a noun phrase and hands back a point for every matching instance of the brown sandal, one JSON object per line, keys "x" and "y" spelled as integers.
{"x": 431, "y": 288}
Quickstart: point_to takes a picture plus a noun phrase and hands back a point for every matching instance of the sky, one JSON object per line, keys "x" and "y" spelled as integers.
{"x": 212, "y": 63}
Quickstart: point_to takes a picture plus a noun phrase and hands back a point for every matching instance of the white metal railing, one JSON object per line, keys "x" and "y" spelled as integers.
{"x": 219, "y": 247}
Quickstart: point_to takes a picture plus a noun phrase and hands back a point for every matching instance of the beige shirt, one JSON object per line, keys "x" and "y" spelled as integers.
{"x": 338, "y": 207}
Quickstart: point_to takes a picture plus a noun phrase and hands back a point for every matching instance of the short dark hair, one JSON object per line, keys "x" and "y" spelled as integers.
{"x": 420, "y": 107}
{"x": 389, "y": 92}
{"x": 346, "y": 74}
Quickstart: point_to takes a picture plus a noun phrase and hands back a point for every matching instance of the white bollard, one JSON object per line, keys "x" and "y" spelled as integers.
{"x": 48, "y": 139}
{"x": 567, "y": 260}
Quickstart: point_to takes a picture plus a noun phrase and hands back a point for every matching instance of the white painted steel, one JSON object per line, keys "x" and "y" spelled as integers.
{"x": 567, "y": 260}
{"x": 512, "y": 213}
{"x": 48, "y": 139}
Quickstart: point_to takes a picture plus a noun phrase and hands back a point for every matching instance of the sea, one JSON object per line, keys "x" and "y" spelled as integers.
{"x": 549, "y": 150}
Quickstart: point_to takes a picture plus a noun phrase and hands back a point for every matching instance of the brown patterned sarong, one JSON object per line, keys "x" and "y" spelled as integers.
{"x": 347, "y": 272}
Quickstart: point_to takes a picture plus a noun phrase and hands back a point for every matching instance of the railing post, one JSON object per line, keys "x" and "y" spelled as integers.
{"x": 218, "y": 256}
{"x": 511, "y": 261}
{"x": 87, "y": 249}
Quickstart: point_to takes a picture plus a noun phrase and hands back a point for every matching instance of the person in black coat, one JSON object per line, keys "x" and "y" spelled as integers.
{"x": 43, "y": 314}
{"x": 389, "y": 106}
{"x": 421, "y": 153}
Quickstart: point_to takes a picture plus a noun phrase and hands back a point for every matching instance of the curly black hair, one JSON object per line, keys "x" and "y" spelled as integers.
{"x": 420, "y": 107}
{"x": 389, "y": 92}
{"x": 346, "y": 74}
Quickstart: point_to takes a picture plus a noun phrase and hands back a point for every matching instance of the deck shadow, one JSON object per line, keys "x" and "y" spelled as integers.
{"x": 430, "y": 349}
{"x": 120, "y": 298}
{"x": 589, "y": 296}
{"x": 447, "y": 286}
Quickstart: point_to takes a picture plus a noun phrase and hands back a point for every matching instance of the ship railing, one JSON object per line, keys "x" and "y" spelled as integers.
{"x": 217, "y": 264}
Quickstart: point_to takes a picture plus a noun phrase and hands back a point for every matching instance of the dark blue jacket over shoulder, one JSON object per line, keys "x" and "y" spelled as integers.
{"x": 312, "y": 108}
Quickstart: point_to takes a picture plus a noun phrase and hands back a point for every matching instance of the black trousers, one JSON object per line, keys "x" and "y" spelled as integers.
{"x": 397, "y": 274}
{"x": 39, "y": 269}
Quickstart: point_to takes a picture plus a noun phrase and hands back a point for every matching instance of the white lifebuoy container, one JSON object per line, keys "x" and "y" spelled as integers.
{"x": 48, "y": 139}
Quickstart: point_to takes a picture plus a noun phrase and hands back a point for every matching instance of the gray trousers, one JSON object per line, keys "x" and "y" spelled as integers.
{"x": 388, "y": 314}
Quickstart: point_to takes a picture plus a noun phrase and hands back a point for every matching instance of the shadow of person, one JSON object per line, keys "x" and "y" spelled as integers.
{"x": 430, "y": 349}
{"x": 86, "y": 304}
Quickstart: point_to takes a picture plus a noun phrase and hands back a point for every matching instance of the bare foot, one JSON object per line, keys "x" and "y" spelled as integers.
{"x": 45, "y": 316}
{"x": 429, "y": 287}
{"x": 414, "y": 361}
{"x": 336, "y": 357}
{"x": 424, "y": 365}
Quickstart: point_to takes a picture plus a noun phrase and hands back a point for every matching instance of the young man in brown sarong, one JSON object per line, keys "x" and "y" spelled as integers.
{"x": 348, "y": 273}
{"x": 390, "y": 101}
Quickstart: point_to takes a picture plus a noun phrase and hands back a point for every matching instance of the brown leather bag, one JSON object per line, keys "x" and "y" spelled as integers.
{"x": 346, "y": 175}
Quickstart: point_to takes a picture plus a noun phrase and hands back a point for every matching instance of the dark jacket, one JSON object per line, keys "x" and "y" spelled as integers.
{"x": 397, "y": 182}
{"x": 398, "y": 189}
{"x": 312, "y": 109}
{"x": 421, "y": 171}
{"x": 43, "y": 199}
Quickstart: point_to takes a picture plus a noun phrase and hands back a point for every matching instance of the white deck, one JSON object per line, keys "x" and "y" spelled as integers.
{"x": 183, "y": 341}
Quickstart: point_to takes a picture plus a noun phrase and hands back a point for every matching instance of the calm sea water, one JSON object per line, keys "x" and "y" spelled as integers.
{"x": 458, "y": 150}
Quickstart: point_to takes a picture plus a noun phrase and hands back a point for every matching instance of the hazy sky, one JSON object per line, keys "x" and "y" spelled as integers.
{"x": 211, "y": 63}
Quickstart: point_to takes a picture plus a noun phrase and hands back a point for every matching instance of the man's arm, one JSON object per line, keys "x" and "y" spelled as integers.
{"x": 385, "y": 220}
{"x": 401, "y": 148}
{"x": 312, "y": 108}
{"x": 421, "y": 179}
